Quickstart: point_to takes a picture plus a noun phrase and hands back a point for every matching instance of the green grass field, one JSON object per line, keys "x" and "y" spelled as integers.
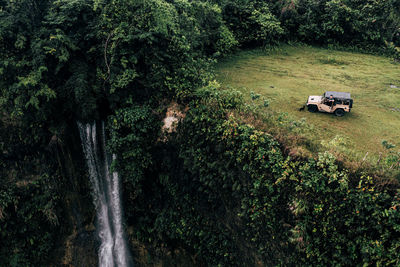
{"x": 287, "y": 75}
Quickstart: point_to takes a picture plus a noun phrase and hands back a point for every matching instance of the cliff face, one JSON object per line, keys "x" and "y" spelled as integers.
{"x": 77, "y": 244}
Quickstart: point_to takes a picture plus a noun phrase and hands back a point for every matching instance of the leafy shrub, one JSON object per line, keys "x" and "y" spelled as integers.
{"x": 251, "y": 22}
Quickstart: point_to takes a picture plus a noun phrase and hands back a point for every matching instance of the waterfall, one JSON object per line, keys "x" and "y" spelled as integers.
{"x": 113, "y": 250}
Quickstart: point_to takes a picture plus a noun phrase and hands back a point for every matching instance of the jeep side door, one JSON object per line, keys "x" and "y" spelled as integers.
{"x": 326, "y": 106}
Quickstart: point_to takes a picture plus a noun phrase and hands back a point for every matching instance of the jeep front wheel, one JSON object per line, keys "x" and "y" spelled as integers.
{"x": 339, "y": 112}
{"x": 312, "y": 108}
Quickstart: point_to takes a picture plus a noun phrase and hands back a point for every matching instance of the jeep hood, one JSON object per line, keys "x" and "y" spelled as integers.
{"x": 314, "y": 99}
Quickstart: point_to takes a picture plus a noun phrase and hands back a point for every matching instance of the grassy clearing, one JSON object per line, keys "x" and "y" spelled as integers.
{"x": 286, "y": 76}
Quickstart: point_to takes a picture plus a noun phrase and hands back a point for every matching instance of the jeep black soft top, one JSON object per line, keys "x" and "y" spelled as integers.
{"x": 338, "y": 95}
{"x": 343, "y": 97}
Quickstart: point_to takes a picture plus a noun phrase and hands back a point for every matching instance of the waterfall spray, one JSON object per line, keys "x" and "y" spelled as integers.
{"x": 113, "y": 250}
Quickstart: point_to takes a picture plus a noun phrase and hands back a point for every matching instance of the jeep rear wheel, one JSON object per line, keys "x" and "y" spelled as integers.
{"x": 312, "y": 108}
{"x": 339, "y": 112}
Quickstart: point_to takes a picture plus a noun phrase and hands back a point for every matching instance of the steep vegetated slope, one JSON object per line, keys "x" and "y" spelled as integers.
{"x": 222, "y": 190}
{"x": 218, "y": 190}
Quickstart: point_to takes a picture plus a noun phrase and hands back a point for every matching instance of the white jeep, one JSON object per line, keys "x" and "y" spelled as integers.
{"x": 331, "y": 102}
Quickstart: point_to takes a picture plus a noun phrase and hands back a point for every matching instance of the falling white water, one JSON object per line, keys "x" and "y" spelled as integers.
{"x": 106, "y": 195}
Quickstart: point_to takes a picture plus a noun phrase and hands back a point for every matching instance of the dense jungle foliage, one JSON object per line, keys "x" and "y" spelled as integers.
{"x": 217, "y": 188}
